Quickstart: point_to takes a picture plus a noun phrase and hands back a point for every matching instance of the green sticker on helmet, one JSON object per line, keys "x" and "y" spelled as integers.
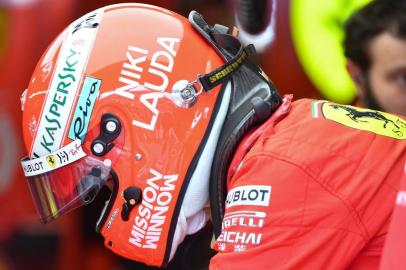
{"x": 84, "y": 108}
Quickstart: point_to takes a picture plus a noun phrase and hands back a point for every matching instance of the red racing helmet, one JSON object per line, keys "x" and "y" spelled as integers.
{"x": 142, "y": 97}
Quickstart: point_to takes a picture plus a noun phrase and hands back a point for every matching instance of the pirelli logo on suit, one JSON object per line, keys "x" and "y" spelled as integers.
{"x": 258, "y": 195}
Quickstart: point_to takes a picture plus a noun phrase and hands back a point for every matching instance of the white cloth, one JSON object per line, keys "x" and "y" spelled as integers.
{"x": 192, "y": 216}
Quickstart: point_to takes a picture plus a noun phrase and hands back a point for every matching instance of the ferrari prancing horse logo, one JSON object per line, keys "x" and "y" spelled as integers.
{"x": 51, "y": 161}
{"x": 381, "y": 123}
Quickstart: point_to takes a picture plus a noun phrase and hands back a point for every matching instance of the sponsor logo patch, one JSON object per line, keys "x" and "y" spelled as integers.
{"x": 84, "y": 108}
{"x": 249, "y": 195}
{"x": 249, "y": 219}
{"x": 152, "y": 212}
{"x": 159, "y": 64}
{"x": 63, "y": 87}
{"x": 239, "y": 237}
{"x": 51, "y": 161}
{"x": 60, "y": 158}
{"x": 381, "y": 123}
{"x": 241, "y": 230}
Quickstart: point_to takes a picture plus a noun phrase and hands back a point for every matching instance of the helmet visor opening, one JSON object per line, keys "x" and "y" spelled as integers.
{"x": 60, "y": 183}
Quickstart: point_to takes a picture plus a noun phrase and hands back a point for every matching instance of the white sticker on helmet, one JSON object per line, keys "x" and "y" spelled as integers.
{"x": 64, "y": 85}
{"x": 64, "y": 156}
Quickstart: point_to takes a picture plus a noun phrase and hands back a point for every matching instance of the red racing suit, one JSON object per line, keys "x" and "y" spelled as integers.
{"x": 393, "y": 256}
{"x": 312, "y": 188}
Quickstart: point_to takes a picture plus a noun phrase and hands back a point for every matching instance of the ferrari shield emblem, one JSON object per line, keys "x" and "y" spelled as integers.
{"x": 381, "y": 123}
{"x": 51, "y": 161}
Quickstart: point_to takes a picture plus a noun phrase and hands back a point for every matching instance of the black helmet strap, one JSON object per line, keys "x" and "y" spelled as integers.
{"x": 229, "y": 47}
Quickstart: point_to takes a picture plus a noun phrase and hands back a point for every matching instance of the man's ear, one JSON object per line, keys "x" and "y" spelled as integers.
{"x": 357, "y": 76}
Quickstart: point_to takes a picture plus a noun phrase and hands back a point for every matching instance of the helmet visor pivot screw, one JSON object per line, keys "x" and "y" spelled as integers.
{"x": 98, "y": 148}
{"x": 111, "y": 126}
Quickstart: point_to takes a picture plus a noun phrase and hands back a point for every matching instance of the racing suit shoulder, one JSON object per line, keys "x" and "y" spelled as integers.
{"x": 332, "y": 173}
{"x": 278, "y": 217}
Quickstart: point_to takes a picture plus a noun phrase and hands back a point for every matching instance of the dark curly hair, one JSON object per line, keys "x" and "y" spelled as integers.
{"x": 364, "y": 25}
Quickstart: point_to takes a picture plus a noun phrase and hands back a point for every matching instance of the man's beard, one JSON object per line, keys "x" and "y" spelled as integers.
{"x": 370, "y": 100}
